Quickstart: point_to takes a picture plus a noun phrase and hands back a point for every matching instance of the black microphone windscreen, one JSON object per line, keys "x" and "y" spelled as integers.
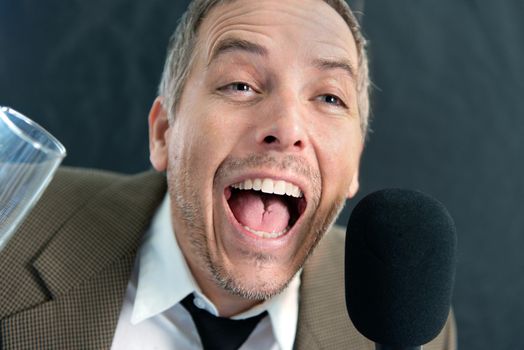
{"x": 399, "y": 267}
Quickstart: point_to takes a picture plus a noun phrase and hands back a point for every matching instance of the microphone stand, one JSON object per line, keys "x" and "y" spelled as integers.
{"x": 391, "y": 347}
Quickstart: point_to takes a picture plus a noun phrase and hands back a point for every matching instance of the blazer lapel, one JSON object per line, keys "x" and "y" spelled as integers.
{"x": 85, "y": 268}
{"x": 109, "y": 227}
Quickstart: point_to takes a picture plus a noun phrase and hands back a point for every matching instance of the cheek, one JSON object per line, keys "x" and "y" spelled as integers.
{"x": 339, "y": 161}
{"x": 202, "y": 140}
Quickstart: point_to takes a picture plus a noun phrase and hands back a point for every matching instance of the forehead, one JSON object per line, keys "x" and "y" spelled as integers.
{"x": 310, "y": 26}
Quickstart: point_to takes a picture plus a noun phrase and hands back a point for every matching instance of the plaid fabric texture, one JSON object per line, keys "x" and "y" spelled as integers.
{"x": 63, "y": 275}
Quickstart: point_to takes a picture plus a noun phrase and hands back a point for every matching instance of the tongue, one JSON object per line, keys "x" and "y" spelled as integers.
{"x": 260, "y": 211}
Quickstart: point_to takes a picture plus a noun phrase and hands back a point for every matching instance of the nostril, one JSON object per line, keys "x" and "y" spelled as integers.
{"x": 270, "y": 139}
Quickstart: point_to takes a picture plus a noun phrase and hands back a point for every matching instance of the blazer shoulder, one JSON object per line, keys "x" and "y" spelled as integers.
{"x": 81, "y": 181}
{"x": 73, "y": 187}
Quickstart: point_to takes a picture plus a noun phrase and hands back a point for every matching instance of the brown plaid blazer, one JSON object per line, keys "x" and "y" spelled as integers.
{"x": 64, "y": 274}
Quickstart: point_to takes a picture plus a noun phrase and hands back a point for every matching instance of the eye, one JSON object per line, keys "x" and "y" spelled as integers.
{"x": 237, "y": 87}
{"x": 332, "y": 100}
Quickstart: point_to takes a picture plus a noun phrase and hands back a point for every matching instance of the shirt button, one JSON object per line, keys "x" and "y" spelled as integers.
{"x": 199, "y": 303}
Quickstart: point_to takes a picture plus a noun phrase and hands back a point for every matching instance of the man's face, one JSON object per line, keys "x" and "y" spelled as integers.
{"x": 270, "y": 106}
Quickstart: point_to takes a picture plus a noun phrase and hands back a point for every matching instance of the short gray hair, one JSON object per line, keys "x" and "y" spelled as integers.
{"x": 181, "y": 49}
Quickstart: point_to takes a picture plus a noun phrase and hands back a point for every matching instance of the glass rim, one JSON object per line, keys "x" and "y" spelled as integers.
{"x": 58, "y": 149}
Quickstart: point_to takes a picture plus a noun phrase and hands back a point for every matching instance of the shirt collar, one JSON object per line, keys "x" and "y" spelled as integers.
{"x": 160, "y": 258}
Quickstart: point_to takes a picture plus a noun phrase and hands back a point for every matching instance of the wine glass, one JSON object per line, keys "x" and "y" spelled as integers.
{"x": 29, "y": 156}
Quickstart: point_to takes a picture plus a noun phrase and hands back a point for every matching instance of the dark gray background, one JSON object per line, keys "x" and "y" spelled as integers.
{"x": 447, "y": 109}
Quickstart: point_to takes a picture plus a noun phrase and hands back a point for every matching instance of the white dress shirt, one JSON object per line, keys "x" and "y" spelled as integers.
{"x": 153, "y": 318}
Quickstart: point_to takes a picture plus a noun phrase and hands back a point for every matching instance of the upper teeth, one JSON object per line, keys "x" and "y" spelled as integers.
{"x": 269, "y": 186}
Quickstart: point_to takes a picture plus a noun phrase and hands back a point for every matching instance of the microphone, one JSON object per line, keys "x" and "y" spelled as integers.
{"x": 399, "y": 268}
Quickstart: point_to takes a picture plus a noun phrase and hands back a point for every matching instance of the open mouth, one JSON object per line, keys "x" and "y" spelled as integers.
{"x": 265, "y": 207}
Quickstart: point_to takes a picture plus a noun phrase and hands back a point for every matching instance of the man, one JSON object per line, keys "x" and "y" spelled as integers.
{"x": 259, "y": 127}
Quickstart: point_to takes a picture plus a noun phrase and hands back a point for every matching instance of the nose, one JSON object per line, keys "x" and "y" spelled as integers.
{"x": 283, "y": 127}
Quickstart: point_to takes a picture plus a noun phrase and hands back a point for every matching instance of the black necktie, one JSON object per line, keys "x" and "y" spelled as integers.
{"x": 220, "y": 333}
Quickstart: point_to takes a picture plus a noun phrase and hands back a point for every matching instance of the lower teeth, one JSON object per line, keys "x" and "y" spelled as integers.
{"x": 267, "y": 234}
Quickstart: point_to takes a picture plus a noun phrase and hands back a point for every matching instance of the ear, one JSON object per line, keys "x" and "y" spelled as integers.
{"x": 353, "y": 186}
{"x": 158, "y": 135}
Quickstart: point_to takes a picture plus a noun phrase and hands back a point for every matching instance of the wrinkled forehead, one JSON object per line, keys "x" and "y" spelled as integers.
{"x": 299, "y": 23}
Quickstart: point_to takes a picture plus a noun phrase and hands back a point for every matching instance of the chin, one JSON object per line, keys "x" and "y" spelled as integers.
{"x": 258, "y": 283}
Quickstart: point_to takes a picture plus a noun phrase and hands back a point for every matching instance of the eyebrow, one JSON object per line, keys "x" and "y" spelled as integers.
{"x": 235, "y": 44}
{"x": 329, "y": 64}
